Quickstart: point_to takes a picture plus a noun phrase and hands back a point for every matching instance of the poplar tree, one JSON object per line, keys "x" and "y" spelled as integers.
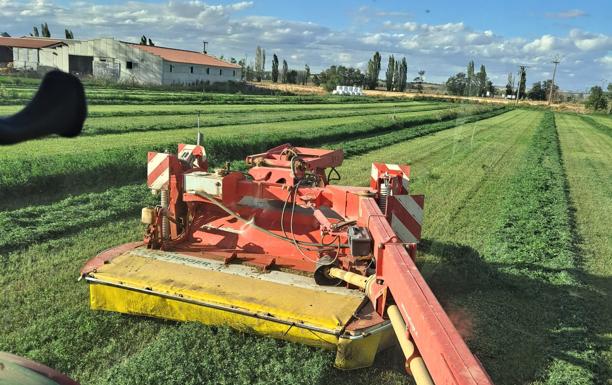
{"x": 522, "y": 82}
{"x": 482, "y": 81}
{"x": 470, "y": 79}
{"x": 510, "y": 84}
{"x": 403, "y": 74}
{"x": 274, "y": 68}
{"x": 390, "y": 73}
{"x": 373, "y": 71}
{"x": 284, "y": 72}
{"x": 260, "y": 63}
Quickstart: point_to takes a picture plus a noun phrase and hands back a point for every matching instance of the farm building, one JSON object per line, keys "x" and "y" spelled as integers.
{"x": 116, "y": 60}
{"x": 24, "y": 53}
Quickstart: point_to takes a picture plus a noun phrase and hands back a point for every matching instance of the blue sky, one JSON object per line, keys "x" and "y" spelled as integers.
{"x": 437, "y": 36}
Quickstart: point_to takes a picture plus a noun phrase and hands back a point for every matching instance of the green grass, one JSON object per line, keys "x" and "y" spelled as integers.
{"x": 193, "y": 109}
{"x": 35, "y": 166}
{"x": 498, "y": 247}
{"x": 516, "y": 245}
{"x": 587, "y": 156}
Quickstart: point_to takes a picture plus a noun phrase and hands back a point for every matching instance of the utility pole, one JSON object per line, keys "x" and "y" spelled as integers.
{"x": 552, "y": 84}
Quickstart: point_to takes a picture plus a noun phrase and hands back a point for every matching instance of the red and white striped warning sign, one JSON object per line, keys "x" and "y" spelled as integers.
{"x": 158, "y": 170}
{"x": 190, "y": 152}
{"x": 399, "y": 172}
{"x": 406, "y": 216}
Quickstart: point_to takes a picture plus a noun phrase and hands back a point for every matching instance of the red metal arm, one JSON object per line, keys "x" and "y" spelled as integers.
{"x": 448, "y": 358}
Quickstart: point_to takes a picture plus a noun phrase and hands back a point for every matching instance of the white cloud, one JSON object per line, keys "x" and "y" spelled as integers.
{"x": 569, "y": 14}
{"x": 440, "y": 49}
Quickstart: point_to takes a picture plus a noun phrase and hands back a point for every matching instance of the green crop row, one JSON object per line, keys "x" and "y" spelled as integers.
{"x": 535, "y": 244}
{"x": 32, "y": 224}
{"x": 23, "y": 226}
{"x": 110, "y": 125}
{"x": 597, "y": 124}
{"x": 116, "y": 110}
{"x": 117, "y": 96}
{"x": 33, "y": 167}
{"x": 45, "y": 311}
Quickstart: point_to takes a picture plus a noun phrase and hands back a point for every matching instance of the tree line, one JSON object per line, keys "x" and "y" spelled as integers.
{"x": 45, "y": 32}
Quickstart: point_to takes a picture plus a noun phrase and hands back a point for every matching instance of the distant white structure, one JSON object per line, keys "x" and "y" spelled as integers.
{"x": 348, "y": 90}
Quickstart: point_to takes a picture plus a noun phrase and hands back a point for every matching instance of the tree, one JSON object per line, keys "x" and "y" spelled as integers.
{"x": 284, "y": 72}
{"x": 597, "y": 99}
{"x": 403, "y": 75}
{"x": 419, "y": 81}
{"x": 340, "y": 75}
{"x": 35, "y": 32}
{"x": 537, "y": 92}
{"x": 151, "y": 42}
{"x": 260, "y": 63}
{"x": 470, "y": 89}
{"x": 522, "y": 82}
{"x": 306, "y": 74}
{"x": 390, "y": 73}
{"x": 274, "y": 68}
{"x": 249, "y": 73}
{"x": 143, "y": 40}
{"x": 242, "y": 64}
{"x": 292, "y": 77}
{"x": 510, "y": 84}
{"x": 481, "y": 78}
{"x": 457, "y": 84}
{"x": 373, "y": 71}
{"x": 68, "y": 33}
{"x": 491, "y": 88}
{"x": 5, "y": 34}
{"x": 44, "y": 30}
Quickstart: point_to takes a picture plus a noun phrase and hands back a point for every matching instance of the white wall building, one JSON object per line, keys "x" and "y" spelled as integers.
{"x": 127, "y": 62}
{"x": 24, "y": 53}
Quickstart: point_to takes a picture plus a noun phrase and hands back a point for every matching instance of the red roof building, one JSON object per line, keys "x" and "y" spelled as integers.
{"x": 184, "y": 56}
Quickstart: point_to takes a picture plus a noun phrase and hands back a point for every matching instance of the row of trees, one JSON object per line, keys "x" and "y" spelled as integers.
{"x": 395, "y": 76}
{"x": 283, "y": 75}
{"x": 522, "y": 83}
{"x": 45, "y": 32}
{"x": 470, "y": 83}
{"x": 146, "y": 41}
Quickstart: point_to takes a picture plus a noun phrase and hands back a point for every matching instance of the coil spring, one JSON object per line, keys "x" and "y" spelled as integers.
{"x": 165, "y": 228}
{"x": 383, "y": 196}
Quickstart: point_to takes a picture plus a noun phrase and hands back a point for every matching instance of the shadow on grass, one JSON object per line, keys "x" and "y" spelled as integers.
{"x": 518, "y": 319}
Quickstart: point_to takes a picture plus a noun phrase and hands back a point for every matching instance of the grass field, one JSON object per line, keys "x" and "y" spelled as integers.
{"x": 515, "y": 245}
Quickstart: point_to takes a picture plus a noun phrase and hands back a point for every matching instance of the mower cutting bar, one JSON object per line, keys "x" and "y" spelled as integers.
{"x": 448, "y": 358}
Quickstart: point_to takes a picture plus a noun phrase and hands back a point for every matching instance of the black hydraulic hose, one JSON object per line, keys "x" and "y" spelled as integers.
{"x": 59, "y": 107}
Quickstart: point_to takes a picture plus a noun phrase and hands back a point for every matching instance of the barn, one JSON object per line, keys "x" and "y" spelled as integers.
{"x": 24, "y": 53}
{"x": 121, "y": 61}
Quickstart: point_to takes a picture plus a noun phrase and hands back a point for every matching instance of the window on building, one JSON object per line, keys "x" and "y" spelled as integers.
{"x": 220, "y": 72}
{"x": 191, "y": 69}
{"x": 171, "y": 67}
{"x": 129, "y": 65}
{"x": 207, "y": 71}
{"x": 234, "y": 73}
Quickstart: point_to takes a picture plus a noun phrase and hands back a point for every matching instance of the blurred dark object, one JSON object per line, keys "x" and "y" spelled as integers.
{"x": 15, "y": 370}
{"x": 59, "y": 107}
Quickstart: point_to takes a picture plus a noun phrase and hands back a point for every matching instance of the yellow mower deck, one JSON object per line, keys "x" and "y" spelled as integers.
{"x": 282, "y": 305}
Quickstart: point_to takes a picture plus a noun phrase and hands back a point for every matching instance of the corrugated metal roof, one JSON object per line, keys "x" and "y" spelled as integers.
{"x": 183, "y": 56}
{"x": 26, "y": 42}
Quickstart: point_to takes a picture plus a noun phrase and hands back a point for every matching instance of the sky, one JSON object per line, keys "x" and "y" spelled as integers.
{"x": 439, "y": 37}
